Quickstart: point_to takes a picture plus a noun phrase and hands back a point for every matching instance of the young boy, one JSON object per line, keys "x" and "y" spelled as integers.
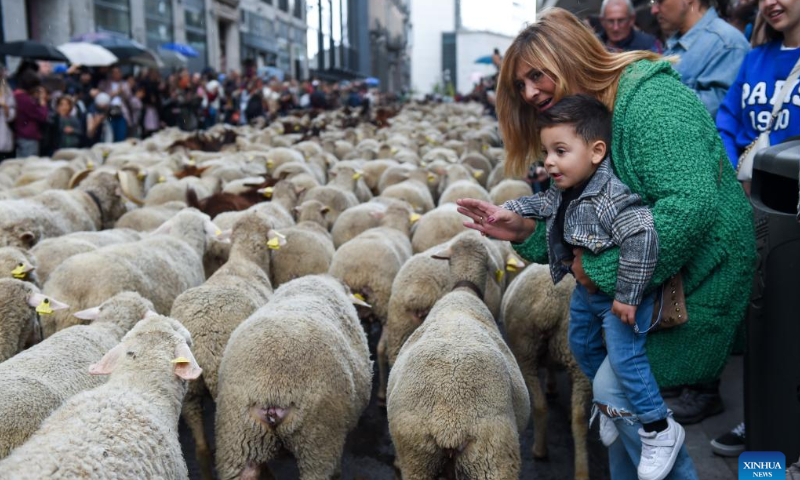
{"x": 588, "y": 207}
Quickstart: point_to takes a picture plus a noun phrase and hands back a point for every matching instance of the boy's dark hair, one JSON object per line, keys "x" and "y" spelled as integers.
{"x": 589, "y": 116}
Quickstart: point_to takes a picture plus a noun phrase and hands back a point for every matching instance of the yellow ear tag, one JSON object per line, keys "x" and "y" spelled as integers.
{"x": 140, "y": 176}
{"x": 268, "y": 192}
{"x": 423, "y": 164}
{"x": 360, "y": 297}
{"x": 105, "y": 154}
{"x": 430, "y": 140}
{"x": 249, "y": 157}
{"x": 297, "y": 128}
{"x": 274, "y": 244}
{"x": 44, "y": 307}
{"x": 89, "y": 165}
{"x": 485, "y": 147}
{"x": 180, "y": 360}
{"x": 431, "y": 178}
{"x": 19, "y": 272}
{"x": 191, "y": 162}
{"x": 162, "y": 179}
{"x": 477, "y": 173}
{"x": 218, "y": 233}
{"x": 356, "y": 176}
{"x": 512, "y": 264}
{"x": 270, "y": 163}
{"x": 393, "y": 150}
{"x": 415, "y": 216}
{"x": 499, "y": 275}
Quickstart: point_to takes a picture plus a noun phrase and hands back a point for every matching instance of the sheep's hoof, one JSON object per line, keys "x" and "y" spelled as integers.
{"x": 540, "y": 454}
{"x": 581, "y": 475}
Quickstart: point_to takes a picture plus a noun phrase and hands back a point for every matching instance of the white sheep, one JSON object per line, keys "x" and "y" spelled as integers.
{"x": 509, "y": 189}
{"x": 50, "y": 253}
{"x": 21, "y": 304}
{"x": 436, "y": 227}
{"x": 18, "y": 263}
{"x": 456, "y": 395}
{"x": 146, "y": 219}
{"x": 334, "y": 198}
{"x": 160, "y": 267}
{"x": 126, "y": 428}
{"x": 309, "y": 250}
{"x": 463, "y": 189}
{"x": 419, "y": 284}
{"x": 350, "y": 179}
{"x": 40, "y": 379}
{"x": 413, "y": 191}
{"x": 536, "y": 317}
{"x": 95, "y": 205}
{"x": 213, "y": 310}
{"x": 357, "y": 219}
{"x": 295, "y": 374}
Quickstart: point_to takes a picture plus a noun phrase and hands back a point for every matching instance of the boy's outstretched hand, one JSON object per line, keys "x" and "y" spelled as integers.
{"x": 625, "y": 312}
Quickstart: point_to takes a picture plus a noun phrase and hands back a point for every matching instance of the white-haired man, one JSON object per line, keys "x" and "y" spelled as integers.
{"x": 617, "y": 18}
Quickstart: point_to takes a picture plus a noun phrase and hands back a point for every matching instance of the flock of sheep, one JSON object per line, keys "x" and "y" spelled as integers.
{"x": 145, "y": 276}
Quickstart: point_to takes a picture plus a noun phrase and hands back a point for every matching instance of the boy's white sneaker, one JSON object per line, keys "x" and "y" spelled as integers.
{"x": 608, "y": 431}
{"x": 659, "y": 451}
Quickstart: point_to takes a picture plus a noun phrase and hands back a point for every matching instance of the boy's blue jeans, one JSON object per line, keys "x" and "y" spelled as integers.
{"x": 590, "y": 316}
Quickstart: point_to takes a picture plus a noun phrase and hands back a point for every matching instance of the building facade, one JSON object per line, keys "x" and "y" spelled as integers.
{"x": 223, "y": 32}
{"x": 448, "y": 36}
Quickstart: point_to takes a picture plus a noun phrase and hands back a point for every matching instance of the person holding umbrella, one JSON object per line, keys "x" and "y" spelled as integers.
{"x": 31, "y": 100}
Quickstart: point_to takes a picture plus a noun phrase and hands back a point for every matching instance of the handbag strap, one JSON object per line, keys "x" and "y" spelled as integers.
{"x": 795, "y": 73}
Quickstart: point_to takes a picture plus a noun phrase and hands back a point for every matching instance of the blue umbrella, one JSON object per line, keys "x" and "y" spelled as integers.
{"x": 372, "y": 81}
{"x": 184, "y": 50}
{"x": 485, "y": 59}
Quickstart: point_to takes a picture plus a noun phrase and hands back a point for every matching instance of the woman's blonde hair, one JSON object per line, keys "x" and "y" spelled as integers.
{"x": 562, "y": 47}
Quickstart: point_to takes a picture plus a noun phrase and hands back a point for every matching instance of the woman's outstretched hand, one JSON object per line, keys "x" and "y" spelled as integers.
{"x": 495, "y": 222}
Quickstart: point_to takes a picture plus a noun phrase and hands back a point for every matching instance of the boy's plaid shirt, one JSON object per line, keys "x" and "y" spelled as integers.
{"x": 606, "y": 214}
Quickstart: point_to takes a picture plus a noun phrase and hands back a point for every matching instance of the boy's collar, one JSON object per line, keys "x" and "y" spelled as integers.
{"x": 599, "y": 179}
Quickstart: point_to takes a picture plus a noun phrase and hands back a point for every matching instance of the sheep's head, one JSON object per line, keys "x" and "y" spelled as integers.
{"x": 157, "y": 347}
{"x": 123, "y": 309}
{"x": 22, "y": 304}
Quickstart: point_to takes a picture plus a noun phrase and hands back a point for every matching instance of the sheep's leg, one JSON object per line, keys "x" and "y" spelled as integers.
{"x": 551, "y": 387}
{"x": 193, "y": 415}
{"x": 581, "y": 396}
{"x": 493, "y": 454}
{"x": 383, "y": 366}
{"x": 530, "y": 371}
{"x": 319, "y": 452}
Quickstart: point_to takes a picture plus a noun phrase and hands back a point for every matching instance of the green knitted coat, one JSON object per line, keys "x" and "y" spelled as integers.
{"x": 666, "y": 148}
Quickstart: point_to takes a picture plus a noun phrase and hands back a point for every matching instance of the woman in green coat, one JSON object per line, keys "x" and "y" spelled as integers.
{"x": 666, "y": 148}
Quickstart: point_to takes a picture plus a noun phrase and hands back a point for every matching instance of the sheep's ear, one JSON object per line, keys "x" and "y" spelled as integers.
{"x": 443, "y": 254}
{"x": 211, "y": 230}
{"x": 325, "y": 209}
{"x": 297, "y": 210}
{"x": 88, "y": 314}
{"x": 377, "y": 214}
{"x": 164, "y": 229}
{"x": 44, "y": 303}
{"x": 414, "y": 217}
{"x": 106, "y": 364}
{"x": 225, "y": 236}
{"x": 27, "y": 239}
{"x": 186, "y": 366}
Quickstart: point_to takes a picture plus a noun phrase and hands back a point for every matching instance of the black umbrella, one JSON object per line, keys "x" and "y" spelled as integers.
{"x": 123, "y": 47}
{"x": 31, "y": 49}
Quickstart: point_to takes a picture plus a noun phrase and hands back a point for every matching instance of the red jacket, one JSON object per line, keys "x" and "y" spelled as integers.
{"x": 30, "y": 116}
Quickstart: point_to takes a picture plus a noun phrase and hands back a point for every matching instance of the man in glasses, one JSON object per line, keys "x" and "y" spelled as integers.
{"x": 617, "y": 18}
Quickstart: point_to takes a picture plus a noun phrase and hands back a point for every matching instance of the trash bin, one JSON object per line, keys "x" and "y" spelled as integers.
{"x": 772, "y": 359}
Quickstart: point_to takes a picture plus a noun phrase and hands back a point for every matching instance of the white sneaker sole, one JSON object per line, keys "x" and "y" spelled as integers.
{"x": 671, "y": 462}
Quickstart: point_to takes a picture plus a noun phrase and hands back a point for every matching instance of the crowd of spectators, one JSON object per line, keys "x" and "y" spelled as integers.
{"x": 42, "y": 110}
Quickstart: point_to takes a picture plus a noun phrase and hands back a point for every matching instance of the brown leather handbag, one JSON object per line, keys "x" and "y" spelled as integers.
{"x": 670, "y": 306}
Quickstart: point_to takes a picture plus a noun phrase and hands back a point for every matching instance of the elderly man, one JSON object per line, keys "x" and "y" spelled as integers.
{"x": 710, "y": 49}
{"x": 617, "y": 18}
